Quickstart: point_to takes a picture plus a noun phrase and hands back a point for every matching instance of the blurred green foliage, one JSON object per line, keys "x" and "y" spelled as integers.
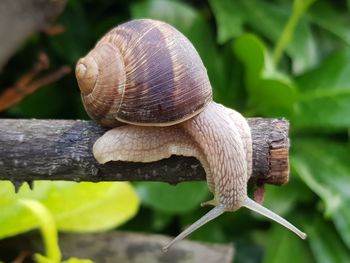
{"x": 75, "y": 207}
{"x": 241, "y": 43}
{"x": 64, "y": 206}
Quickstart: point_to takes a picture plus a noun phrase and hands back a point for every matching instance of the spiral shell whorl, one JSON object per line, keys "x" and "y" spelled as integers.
{"x": 87, "y": 73}
{"x": 101, "y": 79}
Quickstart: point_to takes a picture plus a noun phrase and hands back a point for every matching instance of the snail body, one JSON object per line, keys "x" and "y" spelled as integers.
{"x": 146, "y": 74}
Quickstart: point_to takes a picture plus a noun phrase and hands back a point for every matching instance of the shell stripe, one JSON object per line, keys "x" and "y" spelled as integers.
{"x": 148, "y": 74}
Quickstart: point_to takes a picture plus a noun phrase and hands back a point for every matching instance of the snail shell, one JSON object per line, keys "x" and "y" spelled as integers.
{"x": 143, "y": 72}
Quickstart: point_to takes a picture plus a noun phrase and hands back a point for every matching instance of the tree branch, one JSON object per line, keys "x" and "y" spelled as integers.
{"x": 24, "y": 17}
{"x": 61, "y": 150}
{"x": 119, "y": 246}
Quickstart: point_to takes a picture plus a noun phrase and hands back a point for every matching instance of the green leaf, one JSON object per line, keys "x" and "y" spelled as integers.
{"x": 181, "y": 198}
{"x": 324, "y": 100}
{"x": 47, "y": 228}
{"x": 336, "y": 22}
{"x": 174, "y": 12}
{"x": 42, "y": 259}
{"x": 160, "y": 220}
{"x": 288, "y": 32}
{"x": 269, "y": 20}
{"x": 283, "y": 199}
{"x": 325, "y": 244}
{"x": 271, "y": 92}
{"x": 285, "y": 247}
{"x": 15, "y": 218}
{"x": 76, "y": 40}
{"x": 324, "y": 167}
{"x": 229, "y": 23}
{"x": 341, "y": 219}
{"x": 329, "y": 178}
{"x": 192, "y": 24}
{"x": 78, "y": 207}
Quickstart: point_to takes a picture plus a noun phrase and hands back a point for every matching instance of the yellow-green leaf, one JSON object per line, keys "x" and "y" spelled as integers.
{"x": 78, "y": 207}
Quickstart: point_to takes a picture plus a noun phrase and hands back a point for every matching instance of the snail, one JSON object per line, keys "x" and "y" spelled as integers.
{"x": 146, "y": 81}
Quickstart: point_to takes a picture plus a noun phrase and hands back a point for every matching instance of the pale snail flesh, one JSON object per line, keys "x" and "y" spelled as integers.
{"x": 147, "y": 74}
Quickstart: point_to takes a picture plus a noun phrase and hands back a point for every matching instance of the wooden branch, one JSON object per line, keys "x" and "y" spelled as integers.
{"x": 61, "y": 150}
{"x": 118, "y": 246}
{"x": 21, "y": 18}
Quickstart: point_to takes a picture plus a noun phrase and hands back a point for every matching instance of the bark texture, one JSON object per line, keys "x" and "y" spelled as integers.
{"x": 61, "y": 150}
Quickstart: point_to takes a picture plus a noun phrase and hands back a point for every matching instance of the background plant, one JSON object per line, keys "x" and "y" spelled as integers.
{"x": 264, "y": 58}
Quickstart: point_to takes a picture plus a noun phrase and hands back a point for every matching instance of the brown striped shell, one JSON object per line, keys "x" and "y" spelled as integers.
{"x": 143, "y": 72}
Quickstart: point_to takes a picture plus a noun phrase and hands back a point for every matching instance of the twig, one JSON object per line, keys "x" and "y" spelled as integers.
{"x": 61, "y": 150}
{"x": 27, "y": 85}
